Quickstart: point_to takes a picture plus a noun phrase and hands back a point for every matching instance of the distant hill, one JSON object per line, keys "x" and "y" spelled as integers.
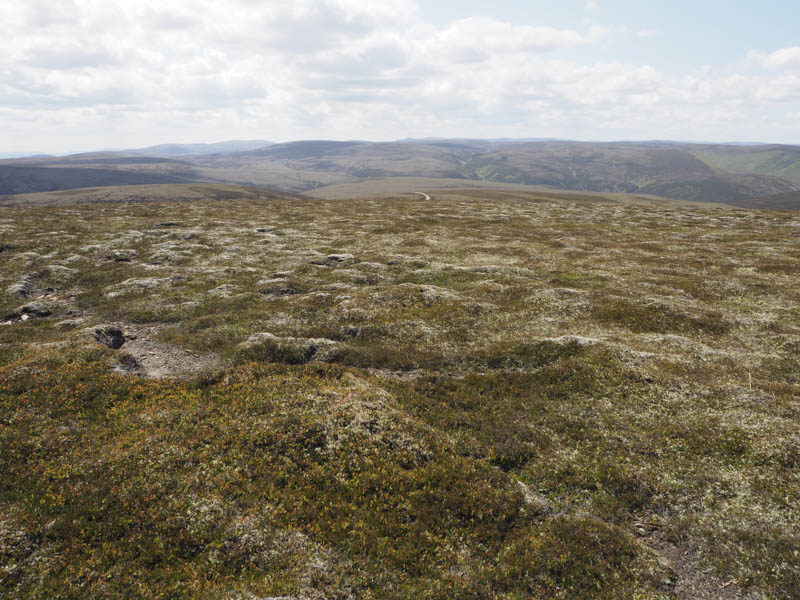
{"x": 191, "y": 149}
{"x": 117, "y": 159}
{"x": 370, "y": 159}
{"x": 731, "y": 174}
{"x": 5, "y": 155}
{"x": 773, "y": 159}
{"x": 662, "y": 169}
{"x": 26, "y": 180}
{"x": 588, "y": 166}
{"x": 787, "y": 201}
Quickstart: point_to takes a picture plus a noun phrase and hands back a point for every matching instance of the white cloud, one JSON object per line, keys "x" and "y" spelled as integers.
{"x": 784, "y": 58}
{"x": 491, "y": 36}
{"x": 152, "y": 71}
{"x": 69, "y": 54}
{"x": 782, "y": 88}
{"x": 649, "y": 33}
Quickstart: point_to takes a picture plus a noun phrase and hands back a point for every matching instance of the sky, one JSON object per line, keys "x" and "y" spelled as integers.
{"x": 78, "y": 75}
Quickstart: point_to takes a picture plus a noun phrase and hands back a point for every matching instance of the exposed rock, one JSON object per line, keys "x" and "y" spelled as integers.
{"x": 109, "y": 335}
{"x": 39, "y": 308}
{"x": 340, "y": 257}
{"x": 332, "y": 259}
{"x": 122, "y": 255}
{"x": 277, "y": 287}
{"x": 143, "y": 355}
{"x": 167, "y": 224}
{"x": 351, "y": 331}
{"x": 25, "y": 287}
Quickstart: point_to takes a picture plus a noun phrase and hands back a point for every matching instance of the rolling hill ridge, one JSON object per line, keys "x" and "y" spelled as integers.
{"x": 697, "y": 172}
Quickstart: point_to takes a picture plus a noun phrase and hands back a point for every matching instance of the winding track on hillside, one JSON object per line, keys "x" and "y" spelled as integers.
{"x": 424, "y": 195}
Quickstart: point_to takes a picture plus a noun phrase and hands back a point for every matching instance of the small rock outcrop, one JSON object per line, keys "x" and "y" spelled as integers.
{"x": 333, "y": 259}
{"x": 122, "y": 255}
{"x": 110, "y": 336}
{"x": 39, "y": 308}
{"x": 276, "y": 288}
{"x": 340, "y": 257}
{"x": 25, "y": 287}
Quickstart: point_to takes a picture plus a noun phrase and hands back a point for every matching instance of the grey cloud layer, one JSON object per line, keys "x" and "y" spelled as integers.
{"x": 342, "y": 68}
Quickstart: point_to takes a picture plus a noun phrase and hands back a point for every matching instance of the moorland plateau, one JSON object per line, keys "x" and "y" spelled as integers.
{"x": 212, "y": 391}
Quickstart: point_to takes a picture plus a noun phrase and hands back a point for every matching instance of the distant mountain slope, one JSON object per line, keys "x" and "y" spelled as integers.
{"x": 587, "y": 166}
{"x": 666, "y": 169}
{"x": 369, "y": 159}
{"x": 127, "y": 194}
{"x": 661, "y": 170}
{"x": 6, "y": 155}
{"x": 773, "y": 159}
{"x": 25, "y": 180}
{"x": 190, "y": 149}
{"x": 113, "y": 161}
{"x": 787, "y": 201}
{"x": 117, "y": 159}
{"x": 694, "y": 172}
